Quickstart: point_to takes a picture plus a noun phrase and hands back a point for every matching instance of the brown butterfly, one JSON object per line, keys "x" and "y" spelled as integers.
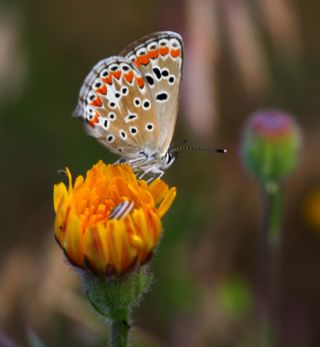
{"x": 130, "y": 102}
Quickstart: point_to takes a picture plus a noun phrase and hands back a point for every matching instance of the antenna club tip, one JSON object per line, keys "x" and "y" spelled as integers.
{"x": 223, "y": 150}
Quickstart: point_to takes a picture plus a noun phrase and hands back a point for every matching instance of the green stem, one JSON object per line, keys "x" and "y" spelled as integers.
{"x": 269, "y": 271}
{"x": 119, "y": 329}
{"x": 273, "y": 196}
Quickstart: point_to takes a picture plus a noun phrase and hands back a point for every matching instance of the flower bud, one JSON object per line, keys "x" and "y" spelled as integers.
{"x": 271, "y": 145}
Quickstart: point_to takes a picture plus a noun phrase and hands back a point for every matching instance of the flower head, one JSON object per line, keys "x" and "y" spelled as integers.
{"x": 109, "y": 220}
{"x": 271, "y": 145}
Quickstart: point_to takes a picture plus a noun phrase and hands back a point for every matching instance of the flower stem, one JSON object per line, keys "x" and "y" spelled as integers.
{"x": 269, "y": 263}
{"x": 273, "y": 197}
{"x": 119, "y": 330}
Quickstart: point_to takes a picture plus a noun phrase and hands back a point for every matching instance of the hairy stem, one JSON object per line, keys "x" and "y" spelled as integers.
{"x": 119, "y": 330}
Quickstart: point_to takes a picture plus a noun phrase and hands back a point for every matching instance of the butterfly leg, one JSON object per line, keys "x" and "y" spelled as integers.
{"x": 137, "y": 161}
{"x": 145, "y": 173}
{"x": 120, "y": 161}
{"x": 161, "y": 173}
{"x": 156, "y": 173}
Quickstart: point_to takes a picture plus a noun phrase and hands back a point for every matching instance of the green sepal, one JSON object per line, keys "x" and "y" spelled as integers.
{"x": 113, "y": 297}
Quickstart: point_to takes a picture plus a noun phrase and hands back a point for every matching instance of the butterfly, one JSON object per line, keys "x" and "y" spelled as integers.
{"x": 129, "y": 102}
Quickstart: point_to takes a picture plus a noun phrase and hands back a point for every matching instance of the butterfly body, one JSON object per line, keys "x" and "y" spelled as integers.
{"x": 130, "y": 102}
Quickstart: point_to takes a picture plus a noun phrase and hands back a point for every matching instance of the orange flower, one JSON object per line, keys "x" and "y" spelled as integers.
{"x": 109, "y": 220}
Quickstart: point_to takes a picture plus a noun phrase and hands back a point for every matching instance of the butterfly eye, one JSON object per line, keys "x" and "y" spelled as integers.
{"x": 112, "y": 116}
{"x": 113, "y": 67}
{"x": 146, "y": 104}
{"x": 149, "y": 127}
{"x": 163, "y": 42}
{"x": 104, "y": 73}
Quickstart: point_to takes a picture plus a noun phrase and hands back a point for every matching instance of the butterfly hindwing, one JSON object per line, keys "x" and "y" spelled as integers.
{"x": 159, "y": 57}
{"x": 116, "y": 104}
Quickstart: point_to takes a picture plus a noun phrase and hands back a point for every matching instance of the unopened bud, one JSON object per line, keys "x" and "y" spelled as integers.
{"x": 271, "y": 145}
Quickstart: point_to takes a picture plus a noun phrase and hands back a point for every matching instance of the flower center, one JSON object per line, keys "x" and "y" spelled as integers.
{"x": 95, "y": 203}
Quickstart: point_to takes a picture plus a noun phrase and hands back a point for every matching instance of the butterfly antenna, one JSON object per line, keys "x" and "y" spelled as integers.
{"x": 198, "y": 149}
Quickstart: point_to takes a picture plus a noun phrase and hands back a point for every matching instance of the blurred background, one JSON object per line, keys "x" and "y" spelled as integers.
{"x": 240, "y": 56}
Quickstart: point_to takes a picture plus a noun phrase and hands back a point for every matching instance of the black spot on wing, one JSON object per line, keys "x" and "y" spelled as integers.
{"x": 157, "y": 72}
{"x": 150, "y": 80}
{"x": 162, "y": 96}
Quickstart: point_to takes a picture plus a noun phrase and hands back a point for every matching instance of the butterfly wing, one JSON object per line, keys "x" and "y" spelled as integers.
{"x": 159, "y": 57}
{"x": 116, "y": 105}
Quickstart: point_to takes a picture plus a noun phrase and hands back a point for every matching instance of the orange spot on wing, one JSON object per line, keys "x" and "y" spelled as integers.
{"x": 153, "y": 54}
{"x": 175, "y": 53}
{"x": 107, "y": 79}
{"x": 94, "y": 121}
{"x": 129, "y": 76}
{"x": 136, "y": 63}
{"x": 164, "y": 50}
{"x": 140, "y": 82}
{"x": 102, "y": 90}
{"x": 116, "y": 74}
{"x": 143, "y": 59}
{"x": 96, "y": 102}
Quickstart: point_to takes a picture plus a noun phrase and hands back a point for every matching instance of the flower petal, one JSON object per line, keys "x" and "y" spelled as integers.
{"x": 167, "y": 202}
{"x": 59, "y": 192}
{"x": 96, "y": 253}
{"x": 73, "y": 241}
{"x": 158, "y": 190}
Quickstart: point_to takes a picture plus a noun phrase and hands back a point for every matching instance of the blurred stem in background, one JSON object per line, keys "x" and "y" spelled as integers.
{"x": 273, "y": 197}
{"x": 269, "y": 273}
{"x": 270, "y": 151}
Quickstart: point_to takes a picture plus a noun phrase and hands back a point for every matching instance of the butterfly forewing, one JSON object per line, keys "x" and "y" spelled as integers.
{"x": 159, "y": 57}
{"x": 117, "y": 106}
